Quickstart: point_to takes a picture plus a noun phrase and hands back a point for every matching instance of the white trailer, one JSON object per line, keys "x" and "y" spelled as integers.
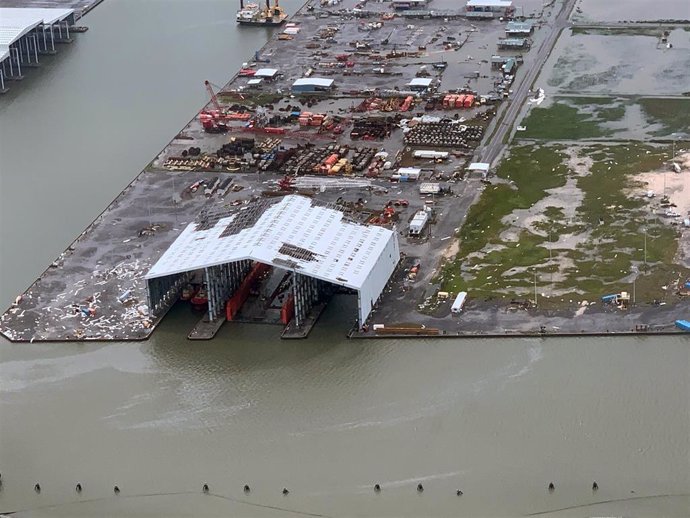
{"x": 459, "y": 302}
{"x": 436, "y": 155}
{"x": 418, "y": 222}
{"x": 430, "y": 188}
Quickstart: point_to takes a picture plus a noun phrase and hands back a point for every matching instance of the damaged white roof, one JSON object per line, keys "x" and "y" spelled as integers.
{"x": 295, "y": 232}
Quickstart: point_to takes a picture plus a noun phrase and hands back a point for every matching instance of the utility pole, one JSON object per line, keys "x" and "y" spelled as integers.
{"x": 535, "y": 287}
{"x": 645, "y": 249}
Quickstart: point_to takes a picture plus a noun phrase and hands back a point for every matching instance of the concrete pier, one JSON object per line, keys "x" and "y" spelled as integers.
{"x": 206, "y": 329}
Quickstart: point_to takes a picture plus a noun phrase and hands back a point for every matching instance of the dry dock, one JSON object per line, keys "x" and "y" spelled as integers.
{"x": 404, "y": 101}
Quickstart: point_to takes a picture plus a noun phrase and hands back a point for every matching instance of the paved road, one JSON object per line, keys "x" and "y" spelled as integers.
{"x": 522, "y": 85}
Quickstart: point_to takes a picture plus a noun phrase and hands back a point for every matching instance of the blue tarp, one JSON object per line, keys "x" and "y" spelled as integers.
{"x": 683, "y": 324}
{"x": 609, "y": 298}
{"x": 687, "y": 284}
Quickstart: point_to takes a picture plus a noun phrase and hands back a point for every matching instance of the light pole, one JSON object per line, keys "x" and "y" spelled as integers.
{"x": 535, "y": 287}
{"x": 551, "y": 257}
{"x": 673, "y": 144}
{"x": 634, "y": 272}
{"x": 645, "y": 248}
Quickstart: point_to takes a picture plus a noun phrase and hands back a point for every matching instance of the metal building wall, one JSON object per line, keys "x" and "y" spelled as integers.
{"x": 378, "y": 278}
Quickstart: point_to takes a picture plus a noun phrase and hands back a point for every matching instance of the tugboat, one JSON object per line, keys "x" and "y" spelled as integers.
{"x": 252, "y": 14}
{"x": 188, "y": 292}
{"x": 200, "y": 298}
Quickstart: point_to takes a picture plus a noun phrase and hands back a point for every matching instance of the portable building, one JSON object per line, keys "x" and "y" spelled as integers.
{"x": 508, "y": 68}
{"x": 495, "y": 6}
{"x": 459, "y": 302}
{"x": 479, "y": 15}
{"x": 426, "y": 153}
{"x": 513, "y": 43}
{"x": 430, "y": 188}
{"x": 410, "y": 173}
{"x": 519, "y": 28}
{"x": 498, "y": 61}
{"x": 419, "y": 221}
{"x": 408, "y": 4}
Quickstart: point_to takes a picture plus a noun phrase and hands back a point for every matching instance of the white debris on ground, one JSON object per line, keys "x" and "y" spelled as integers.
{"x": 109, "y": 304}
{"x": 538, "y": 97}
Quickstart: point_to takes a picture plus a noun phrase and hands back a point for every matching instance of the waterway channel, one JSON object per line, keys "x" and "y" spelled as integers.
{"x": 326, "y": 417}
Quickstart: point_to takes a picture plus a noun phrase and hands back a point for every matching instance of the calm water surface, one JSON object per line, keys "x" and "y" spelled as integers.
{"x": 326, "y": 417}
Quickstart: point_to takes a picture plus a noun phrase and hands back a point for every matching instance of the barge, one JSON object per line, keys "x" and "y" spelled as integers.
{"x": 252, "y": 14}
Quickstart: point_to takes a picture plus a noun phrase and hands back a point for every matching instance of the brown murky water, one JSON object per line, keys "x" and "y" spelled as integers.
{"x": 327, "y": 417}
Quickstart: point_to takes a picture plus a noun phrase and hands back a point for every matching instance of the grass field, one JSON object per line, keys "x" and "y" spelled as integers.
{"x": 674, "y": 114}
{"x": 592, "y": 253}
{"x": 575, "y": 118}
{"x": 572, "y": 118}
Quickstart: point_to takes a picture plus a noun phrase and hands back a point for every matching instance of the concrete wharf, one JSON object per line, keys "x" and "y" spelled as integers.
{"x": 96, "y": 290}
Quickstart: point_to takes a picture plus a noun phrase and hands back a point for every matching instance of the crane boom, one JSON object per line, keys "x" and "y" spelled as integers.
{"x": 214, "y": 99}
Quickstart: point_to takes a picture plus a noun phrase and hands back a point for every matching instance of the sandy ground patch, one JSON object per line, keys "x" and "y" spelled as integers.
{"x": 452, "y": 249}
{"x": 675, "y": 185}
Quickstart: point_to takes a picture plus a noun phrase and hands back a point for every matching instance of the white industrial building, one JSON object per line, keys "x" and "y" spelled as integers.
{"x": 419, "y": 84}
{"x": 496, "y": 6}
{"x": 312, "y": 85}
{"x": 317, "y": 242}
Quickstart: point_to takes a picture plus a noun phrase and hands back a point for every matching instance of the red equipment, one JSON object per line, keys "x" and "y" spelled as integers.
{"x": 288, "y": 310}
{"x": 287, "y": 183}
{"x": 240, "y": 296}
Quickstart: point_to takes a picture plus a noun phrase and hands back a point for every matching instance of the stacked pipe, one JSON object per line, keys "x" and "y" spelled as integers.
{"x": 444, "y": 134}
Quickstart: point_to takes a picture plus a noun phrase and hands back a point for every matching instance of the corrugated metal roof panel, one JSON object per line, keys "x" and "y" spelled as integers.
{"x": 335, "y": 249}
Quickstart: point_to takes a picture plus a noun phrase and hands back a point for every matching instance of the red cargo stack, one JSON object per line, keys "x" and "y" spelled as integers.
{"x": 406, "y": 104}
{"x": 459, "y": 101}
{"x": 331, "y": 160}
{"x": 469, "y": 101}
{"x": 288, "y": 310}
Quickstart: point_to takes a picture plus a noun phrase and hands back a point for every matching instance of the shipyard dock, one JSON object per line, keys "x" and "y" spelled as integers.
{"x": 345, "y": 158}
